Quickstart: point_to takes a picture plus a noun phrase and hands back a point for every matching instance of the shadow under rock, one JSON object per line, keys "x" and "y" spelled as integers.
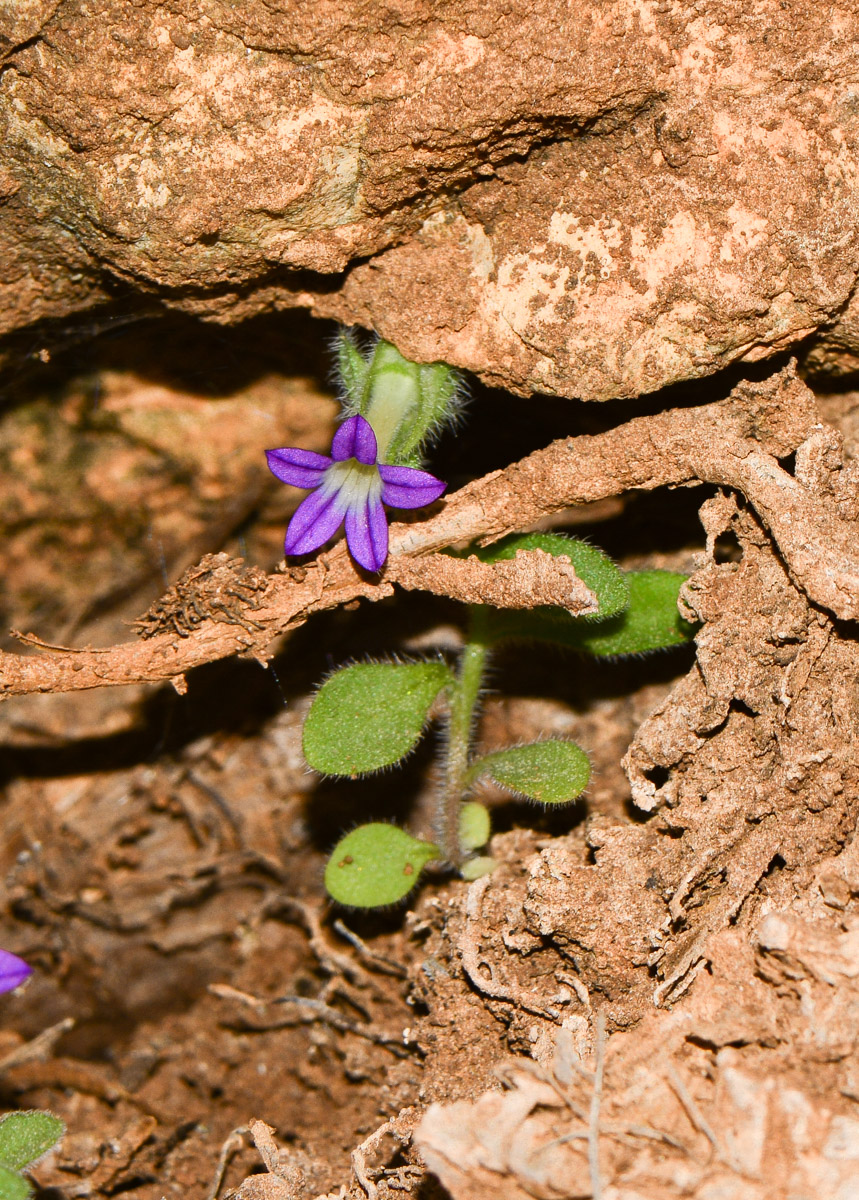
{"x": 232, "y": 695}
{"x": 168, "y": 348}
{"x": 553, "y": 673}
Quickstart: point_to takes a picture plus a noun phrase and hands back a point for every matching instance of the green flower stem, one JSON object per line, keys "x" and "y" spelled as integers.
{"x": 464, "y": 695}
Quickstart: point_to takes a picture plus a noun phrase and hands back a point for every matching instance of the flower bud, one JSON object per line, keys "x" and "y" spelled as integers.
{"x": 406, "y": 403}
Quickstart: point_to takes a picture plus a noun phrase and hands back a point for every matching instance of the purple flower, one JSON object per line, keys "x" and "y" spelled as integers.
{"x": 13, "y": 971}
{"x": 351, "y": 486}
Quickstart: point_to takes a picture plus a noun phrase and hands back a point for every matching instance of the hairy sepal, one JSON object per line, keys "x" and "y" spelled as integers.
{"x": 407, "y": 403}
{"x": 353, "y": 370}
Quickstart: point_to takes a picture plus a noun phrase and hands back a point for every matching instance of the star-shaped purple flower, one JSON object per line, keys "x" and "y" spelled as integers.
{"x": 351, "y": 486}
{"x": 13, "y": 971}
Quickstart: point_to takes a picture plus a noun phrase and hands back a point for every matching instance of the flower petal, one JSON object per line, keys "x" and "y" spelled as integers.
{"x": 300, "y": 468}
{"x": 13, "y": 971}
{"x": 407, "y": 487}
{"x": 317, "y": 518}
{"x": 355, "y": 439}
{"x": 367, "y": 532}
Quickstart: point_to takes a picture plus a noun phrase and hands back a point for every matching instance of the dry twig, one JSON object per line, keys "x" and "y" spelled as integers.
{"x": 376, "y": 962}
{"x": 693, "y": 1112}
{"x": 301, "y": 1010}
{"x": 401, "y": 1126}
{"x": 233, "y": 1142}
{"x": 38, "y": 1048}
{"x": 596, "y": 1102}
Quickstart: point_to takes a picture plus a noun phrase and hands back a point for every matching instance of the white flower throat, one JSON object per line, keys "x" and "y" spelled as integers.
{"x": 358, "y": 484}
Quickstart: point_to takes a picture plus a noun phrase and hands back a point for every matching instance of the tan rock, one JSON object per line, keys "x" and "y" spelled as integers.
{"x": 590, "y": 199}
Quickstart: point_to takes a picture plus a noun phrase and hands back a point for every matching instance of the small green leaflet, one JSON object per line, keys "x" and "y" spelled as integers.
{"x": 474, "y": 825}
{"x": 475, "y": 868}
{"x": 370, "y": 715}
{"x": 549, "y": 772}
{"x": 376, "y": 864}
{"x": 26, "y": 1136}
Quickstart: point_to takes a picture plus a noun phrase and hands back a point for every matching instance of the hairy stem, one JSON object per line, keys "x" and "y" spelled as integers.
{"x": 463, "y": 706}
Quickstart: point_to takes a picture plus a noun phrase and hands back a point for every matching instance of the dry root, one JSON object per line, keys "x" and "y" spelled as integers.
{"x": 218, "y": 609}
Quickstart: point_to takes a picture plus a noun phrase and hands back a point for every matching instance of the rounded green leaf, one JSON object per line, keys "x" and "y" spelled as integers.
{"x": 370, "y": 715}
{"x": 548, "y": 772}
{"x": 592, "y": 565}
{"x": 13, "y": 1186}
{"x": 376, "y": 864}
{"x": 475, "y": 825}
{"x": 26, "y": 1136}
{"x": 651, "y": 622}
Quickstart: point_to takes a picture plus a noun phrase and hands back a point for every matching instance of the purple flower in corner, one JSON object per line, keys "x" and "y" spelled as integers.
{"x": 13, "y": 971}
{"x": 351, "y": 486}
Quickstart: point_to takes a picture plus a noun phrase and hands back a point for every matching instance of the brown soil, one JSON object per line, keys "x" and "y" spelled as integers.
{"x": 655, "y": 995}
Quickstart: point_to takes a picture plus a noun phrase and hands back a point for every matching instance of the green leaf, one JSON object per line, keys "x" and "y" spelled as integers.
{"x": 549, "y": 772}
{"x": 353, "y": 368}
{"x": 475, "y": 825}
{"x": 592, "y": 565}
{"x": 26, "y": 1136}
{"x": 376, "y": 864}
{"x": 370, "y": 715}
{"x": 13, "y": 1186}
{"x": 651, "y": 622}
{"x": 474, "y": 868}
